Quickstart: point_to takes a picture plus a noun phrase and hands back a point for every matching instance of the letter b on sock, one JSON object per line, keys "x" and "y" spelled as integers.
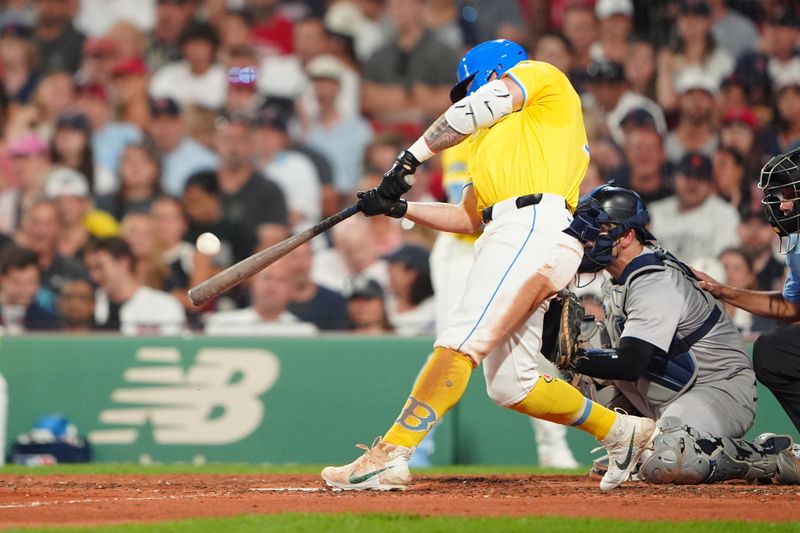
{"x": 417, "y": 415}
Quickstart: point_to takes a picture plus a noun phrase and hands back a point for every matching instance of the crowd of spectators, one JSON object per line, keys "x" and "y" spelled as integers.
{"x": 131, "y": 127}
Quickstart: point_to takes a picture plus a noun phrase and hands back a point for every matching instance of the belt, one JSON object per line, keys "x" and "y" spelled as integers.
{"x": 519, "y": 202}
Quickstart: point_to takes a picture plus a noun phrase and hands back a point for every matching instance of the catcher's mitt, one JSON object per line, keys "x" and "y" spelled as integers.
{"x": 572, "y": 314}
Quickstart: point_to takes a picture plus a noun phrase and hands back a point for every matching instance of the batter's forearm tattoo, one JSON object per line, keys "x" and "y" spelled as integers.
{"x": 440, "y": 135}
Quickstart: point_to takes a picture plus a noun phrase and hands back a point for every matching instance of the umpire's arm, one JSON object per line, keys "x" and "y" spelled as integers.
{"x": 769, "y": 304}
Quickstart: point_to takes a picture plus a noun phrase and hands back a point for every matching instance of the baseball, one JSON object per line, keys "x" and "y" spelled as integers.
{"x": 208, "y": 244}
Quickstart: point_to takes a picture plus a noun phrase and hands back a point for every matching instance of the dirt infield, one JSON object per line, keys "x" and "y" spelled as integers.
{"x": 84, "y": 499}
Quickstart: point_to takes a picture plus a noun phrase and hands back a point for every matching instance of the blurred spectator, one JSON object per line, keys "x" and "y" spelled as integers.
{"x": 694, "y": 223}
{"x": 554, "y": 48}
{"x": 19, "y": 61}
{"x": 366, "y": 307}
{"x": 140, "y": 232}
{"x": 339, "y": 138}
{"x": 97, "y": 61}
{"x": 139, "y": 183}
{"x": 411, "y": 75}
{"x": 739, "y": 273}
{"x": 354, "y": 255}
{"x": 761, "y": 70}
{"x": 291, "y": 170}
{"x": 271, "y": 291}
{"x": 185, "y": 266}
{"x": 313, "y": 303}
{"x": 647, "y": 171}
{"x": 411, "y": 307}
{"x": 54, "y": 95}
{"x": 78, "y": 219}
{"x": 123, "y": 303}
{"x": 76, "y": 307}
{"x": 96, "y": 17}
{"x": 580, "y": 29}
{"x": 72, "y": 147}
{"x": 640, "y": 68}
{"x": 738, "y": 131}
{"x": 491, "y": 19}
{"x": 615, "y": 23}
{"x": 611, "y": 100}
{"x": 693, "y": 53}
{"x": 30, "y": 160}
{"x": 19, "y": 284}
{"x": 60, "y": 44}
{"x": 109, "y": 138}
{"x": 39, "y": 231}
{"x": 695, "y": 131}
{"x": 130, "y": 42}
{"x": 591, "y": 180}
{"x": 734, "y": 32}
{"x": 729, "y": 179}
{"x": 171, "y": 18}
{"x": 196, "y": 79}
{"x": 441, "y": 17}
{"x": 271, "y": 31}
{"x": 202, "y": 203}
{"x": 248, "y": 198}
{"x": 786, "y": 131}
{"x": 758, "y": 237}
{"x": 181, "y": 155}
{"x": 129, "y": 80}
{"x": 366, "y": 20}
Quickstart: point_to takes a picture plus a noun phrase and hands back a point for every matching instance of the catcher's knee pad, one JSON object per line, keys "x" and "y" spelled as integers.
{"x": 739, "y": 459}
{"x": 676, "y": 457}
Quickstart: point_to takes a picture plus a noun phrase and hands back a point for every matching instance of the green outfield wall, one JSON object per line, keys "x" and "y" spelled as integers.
{"x": 258, "y": 400}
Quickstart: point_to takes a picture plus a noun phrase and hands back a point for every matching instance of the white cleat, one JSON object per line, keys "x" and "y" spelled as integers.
{"x": 628, "y": 438}
{"x": 383, "y": 466}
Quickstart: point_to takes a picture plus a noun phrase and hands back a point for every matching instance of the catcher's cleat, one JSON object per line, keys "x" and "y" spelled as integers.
{"x": 628, "y": 438}
{"x": 383, "y": 466}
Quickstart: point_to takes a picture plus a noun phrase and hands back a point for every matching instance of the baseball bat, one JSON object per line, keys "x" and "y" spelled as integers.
{"x": 237, "y": 273}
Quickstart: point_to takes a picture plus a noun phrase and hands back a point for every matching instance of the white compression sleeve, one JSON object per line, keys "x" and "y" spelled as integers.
{"x": 482, "y": 108}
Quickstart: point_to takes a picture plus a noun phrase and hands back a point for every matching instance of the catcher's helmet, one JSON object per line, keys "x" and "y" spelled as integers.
{"x": 617, "y": 208}
{"x": 780, "y": 181}
{"x": 478, "y": 64}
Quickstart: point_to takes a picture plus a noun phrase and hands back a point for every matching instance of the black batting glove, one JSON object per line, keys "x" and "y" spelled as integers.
{"x": 373, "y": 203}
{"x": 398, "y": 180}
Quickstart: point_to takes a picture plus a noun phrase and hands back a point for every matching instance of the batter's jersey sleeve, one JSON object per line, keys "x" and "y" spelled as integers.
{"x": 653, "y": 308}
{"x": 539, "y": 81}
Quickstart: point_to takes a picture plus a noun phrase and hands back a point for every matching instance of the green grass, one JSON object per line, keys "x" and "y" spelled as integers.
{"x": 390, "y": 523}
{"x": 240, "y": 469}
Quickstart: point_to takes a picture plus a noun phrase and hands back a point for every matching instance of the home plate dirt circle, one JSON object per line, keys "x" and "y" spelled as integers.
{"x": 90, "y": 499}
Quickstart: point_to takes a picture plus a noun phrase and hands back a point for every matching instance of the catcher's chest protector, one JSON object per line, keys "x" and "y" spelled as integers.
{"x": 665, "y": 378}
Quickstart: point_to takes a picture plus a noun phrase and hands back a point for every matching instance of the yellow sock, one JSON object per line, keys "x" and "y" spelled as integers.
{"x": 440, "y": 385}
{"x": 557, "y": 401}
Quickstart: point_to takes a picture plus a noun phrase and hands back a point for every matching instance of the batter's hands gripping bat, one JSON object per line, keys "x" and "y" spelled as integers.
{"x": 235, "y": 274}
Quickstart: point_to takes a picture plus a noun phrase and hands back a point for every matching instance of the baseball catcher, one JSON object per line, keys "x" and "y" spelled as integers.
{"x": 665, "y": 349}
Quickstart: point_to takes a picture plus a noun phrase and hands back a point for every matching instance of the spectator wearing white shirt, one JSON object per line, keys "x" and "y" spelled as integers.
{"x": 293, "y": 171}
{"x": 271, "y": 290}
{"x": 123, "y": 303}
{"x": 410, "y": 307}
{"x": 197, "y": 78}
{"x": 181, "y": 155}
{"x": 340, "y": 138}
{"x": 695, "y": 223}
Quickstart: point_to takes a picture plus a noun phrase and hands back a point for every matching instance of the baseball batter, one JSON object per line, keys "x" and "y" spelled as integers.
{"x": 527, "y": 156}
{"x": 670, "y": 350}
{"x": 451, "y": 260}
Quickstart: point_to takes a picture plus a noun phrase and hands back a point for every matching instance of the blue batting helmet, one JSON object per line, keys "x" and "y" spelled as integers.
{"x": 478, "y": 64}
{"x": 619, "y": 210}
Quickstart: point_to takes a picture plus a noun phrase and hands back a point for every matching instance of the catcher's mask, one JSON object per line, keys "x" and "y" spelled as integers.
{"x": 780, "y": 182}
{"x": 601, "y": 218}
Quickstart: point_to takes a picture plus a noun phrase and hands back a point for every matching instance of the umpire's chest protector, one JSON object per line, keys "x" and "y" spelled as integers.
{"x": 667, "y": 376}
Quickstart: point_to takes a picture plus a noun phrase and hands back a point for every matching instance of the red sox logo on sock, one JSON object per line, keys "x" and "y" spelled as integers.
{"x": 417, "y": 415}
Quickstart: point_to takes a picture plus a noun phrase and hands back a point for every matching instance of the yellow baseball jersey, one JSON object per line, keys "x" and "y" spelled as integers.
{"x": 455, "y": 177}
{"x": 541, "y": 148}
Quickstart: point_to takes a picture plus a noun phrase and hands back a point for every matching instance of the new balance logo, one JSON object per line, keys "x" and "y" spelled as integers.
{"x": 215, "y": 401}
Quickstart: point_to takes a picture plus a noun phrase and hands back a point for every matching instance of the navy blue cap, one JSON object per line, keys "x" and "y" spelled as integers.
{"x": 361, "y": 287}
{"x": 164, "y": 106}
{"x": 695, "y": 7}
{"x": 16, "y": 29}
{"x": 695, "y": 165}
{"x": 412, "y": 256}
{"x": 605, "y": 71}
{"x": 73, "y": 121}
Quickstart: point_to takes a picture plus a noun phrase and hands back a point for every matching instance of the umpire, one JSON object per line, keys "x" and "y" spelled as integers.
{"x": 776, "y": 356}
